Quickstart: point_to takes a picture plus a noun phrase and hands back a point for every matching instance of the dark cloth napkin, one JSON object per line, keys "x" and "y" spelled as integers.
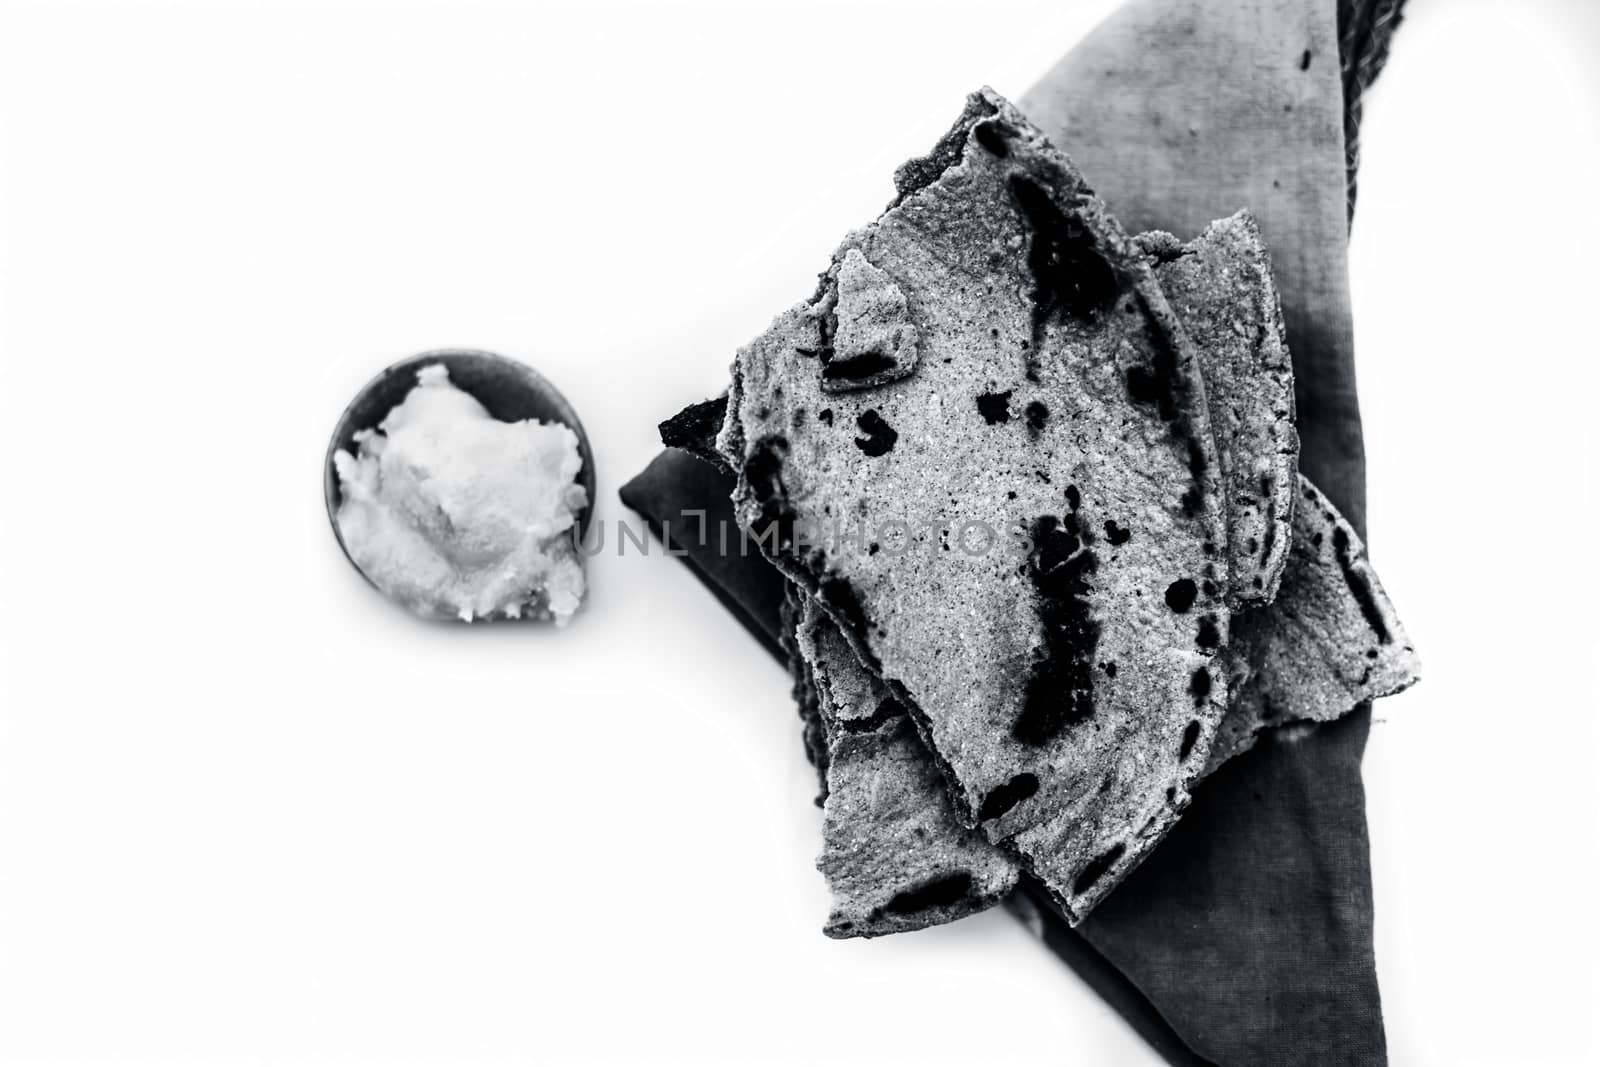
{"x": 1246, "y": 937}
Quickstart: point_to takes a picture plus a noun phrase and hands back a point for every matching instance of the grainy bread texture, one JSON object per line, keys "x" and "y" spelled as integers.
{"x": 1220, "y": 284}
{"x": 895, "y": 856}
{"x": 1330, "y": 641}
{"x": 1024, "y": 539}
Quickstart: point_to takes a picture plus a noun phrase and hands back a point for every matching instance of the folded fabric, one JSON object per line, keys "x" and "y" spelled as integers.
{"x": 1251, "y": 927}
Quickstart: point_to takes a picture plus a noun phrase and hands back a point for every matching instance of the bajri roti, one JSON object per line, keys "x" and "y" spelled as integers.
{"x": 1331, "y": 642}
{"x": 1024, "y": 539}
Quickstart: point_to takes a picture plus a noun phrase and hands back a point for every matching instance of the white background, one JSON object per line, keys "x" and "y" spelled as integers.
{"x": 249, "y": 812}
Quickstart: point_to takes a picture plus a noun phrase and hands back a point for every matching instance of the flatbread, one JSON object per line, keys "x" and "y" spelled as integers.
{"x": 1331, "y": 640}
{"x": 1330, "y": 670}
{"x": 895, "y": 856}
{"x": 1220, "y": 284}
{"x": 1062, "y": 674}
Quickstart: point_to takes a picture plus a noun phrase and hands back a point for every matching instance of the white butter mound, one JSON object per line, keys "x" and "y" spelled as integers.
{"x": 457, "y": 515}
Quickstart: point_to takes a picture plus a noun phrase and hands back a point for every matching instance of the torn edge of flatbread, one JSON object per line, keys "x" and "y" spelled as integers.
{"x": 1329, "y": 642}
{"x": 1221, "y": 286}
{"x": 894, "y": 854}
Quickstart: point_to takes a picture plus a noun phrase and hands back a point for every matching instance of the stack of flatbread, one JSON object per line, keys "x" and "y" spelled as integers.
{"x": 1033, "y": 482}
